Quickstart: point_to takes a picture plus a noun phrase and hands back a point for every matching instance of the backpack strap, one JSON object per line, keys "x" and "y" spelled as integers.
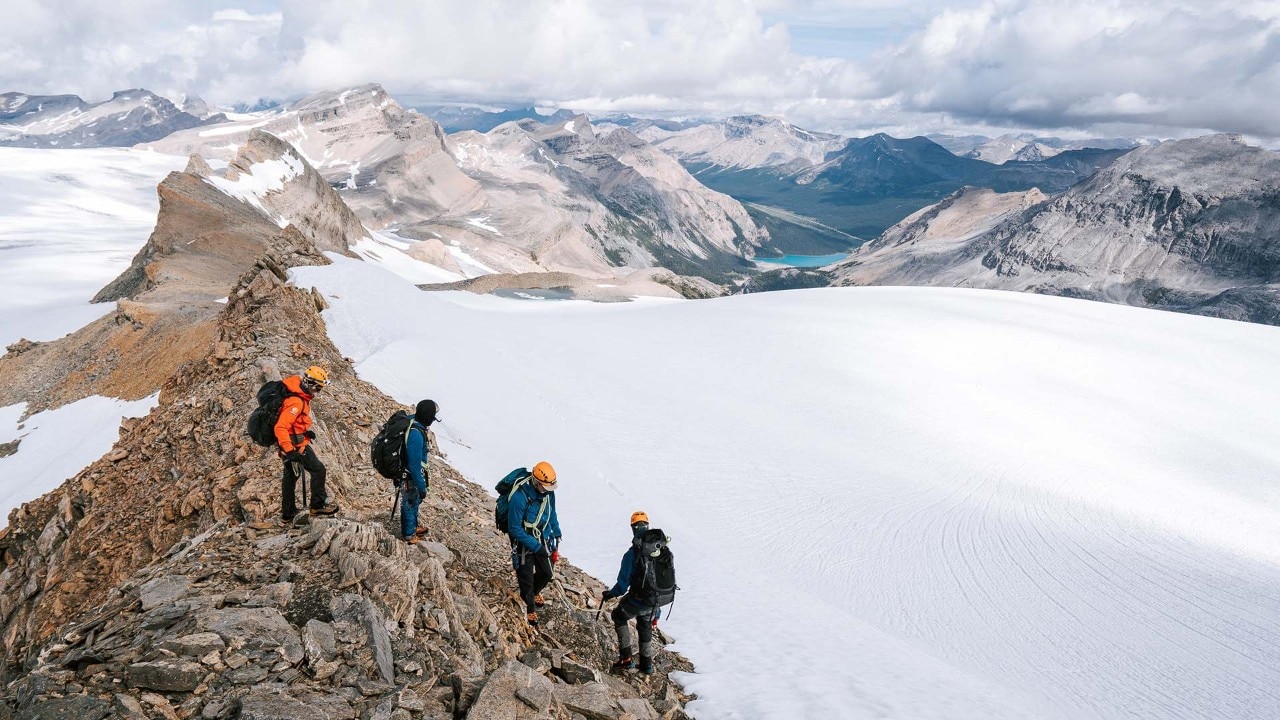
{"x": 531, "y": 527}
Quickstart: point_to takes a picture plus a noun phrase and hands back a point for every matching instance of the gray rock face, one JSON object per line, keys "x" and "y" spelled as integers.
{"x": 272, "y": 175}
{"x": 593, "y": 700}
{"x": 318, "y": 641}
{"x": 253, "y": 628}
{"x": 162, "y": 591}
{"x": 513, "y": 691}
{"x": 65, "y": 121}
{"x": 195, "y": 645}
{"x": 69, "y": 708}
{"x": 268, "y": 705}
{"x": 359, "y": 610}
{"x": 166, "y": 675}
{"x": 1188, "y": 226}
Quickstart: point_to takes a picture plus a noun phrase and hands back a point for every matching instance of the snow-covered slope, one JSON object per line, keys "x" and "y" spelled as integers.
{"x": 70, "y": 221}
{"x": 888, "y": 502}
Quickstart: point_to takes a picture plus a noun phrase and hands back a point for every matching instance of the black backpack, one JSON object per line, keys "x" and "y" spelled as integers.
{"x": 506, "y": 487}
{"x": 387, "y": 450}
{"x": 262, "y": 421}
{"x": 653, "y": 574}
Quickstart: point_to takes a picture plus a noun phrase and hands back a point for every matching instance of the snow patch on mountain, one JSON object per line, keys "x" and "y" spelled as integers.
{"x": 56, "y": 444}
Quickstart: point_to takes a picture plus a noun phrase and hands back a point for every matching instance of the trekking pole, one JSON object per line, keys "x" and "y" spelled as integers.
{"x": 395, "y": 504}
{"x": 301, "y": 476}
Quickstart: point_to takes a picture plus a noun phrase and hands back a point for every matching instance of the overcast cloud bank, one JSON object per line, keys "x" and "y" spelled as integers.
{"x": 1100, "y": 67}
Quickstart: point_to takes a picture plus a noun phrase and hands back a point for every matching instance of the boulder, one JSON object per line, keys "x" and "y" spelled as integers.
{"x": 80, "y": 707}
{"x": 514, "y": 691}
{"x": 593, "y": 700}
{"x": 318, "y": 642}
{"x": 166, "y": 675}
{"x": 262, "y": 704}
{"x": 254, "y": 628}
{"x": 575, "y": 673}
{"x": 163, "y": 590}
{"x": 359, "y": 610}
{"x": 195, "y": 645}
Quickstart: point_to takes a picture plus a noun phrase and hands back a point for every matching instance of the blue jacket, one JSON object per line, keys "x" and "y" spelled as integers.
{"x": 624, "y": 578}
{"x": 523, "y": 508}
{"x": 416, "y": 453}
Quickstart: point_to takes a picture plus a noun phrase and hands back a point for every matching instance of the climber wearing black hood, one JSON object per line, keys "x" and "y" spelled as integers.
{"x": 417, "y": 451}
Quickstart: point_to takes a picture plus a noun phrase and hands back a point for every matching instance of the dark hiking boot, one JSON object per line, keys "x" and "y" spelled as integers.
{"x": 646, "y": 665}
{"x": 625, "y": 662}
{"x": 538, "y": 600}
{"x": 533, "y": 620}
{"x": 325, "y": 511}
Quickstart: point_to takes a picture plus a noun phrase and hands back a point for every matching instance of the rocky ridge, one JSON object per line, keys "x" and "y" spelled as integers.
{"x": 154, "y": 584}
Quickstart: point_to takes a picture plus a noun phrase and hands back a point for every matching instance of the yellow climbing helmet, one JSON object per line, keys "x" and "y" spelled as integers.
{"x": 318, "y": 375}
{"x": 545, "y": 475}
{"x": 639, "y": 516}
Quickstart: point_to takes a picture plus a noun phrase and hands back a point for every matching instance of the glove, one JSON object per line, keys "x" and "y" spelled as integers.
{"x": 310, "y": 434}
{"x": 293, "y": 456}
{"x": 654, "y": 624}
{"x": 555, "y": 556}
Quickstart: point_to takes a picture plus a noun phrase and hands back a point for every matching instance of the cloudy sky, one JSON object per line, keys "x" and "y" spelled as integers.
{"x": 1164, "y": 68}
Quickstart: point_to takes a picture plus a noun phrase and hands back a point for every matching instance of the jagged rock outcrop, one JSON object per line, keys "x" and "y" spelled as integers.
{"x": 156, "y": 584}
{"x": 65, "y": 121}
{"x": 1190, "y": 226}
{"x": 272, "y": 175}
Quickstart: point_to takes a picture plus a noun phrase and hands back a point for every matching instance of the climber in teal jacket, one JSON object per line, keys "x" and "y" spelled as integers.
{"x": 535, "y": 535}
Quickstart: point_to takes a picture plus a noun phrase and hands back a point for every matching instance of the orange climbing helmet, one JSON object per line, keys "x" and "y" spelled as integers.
{"x": 639, "y": 516}
{"x": 318, "y": 375}
{"x": 545, "y": 475}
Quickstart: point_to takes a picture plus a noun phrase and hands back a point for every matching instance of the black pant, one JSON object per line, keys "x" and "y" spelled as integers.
{"x": 289, "y": 484}
{"x": 643, "y": 614}
{"x": 533, "y": 572}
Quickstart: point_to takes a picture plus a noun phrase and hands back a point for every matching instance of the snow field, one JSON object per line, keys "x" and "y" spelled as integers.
{"x": 70, "y": 222}
{"x": 887, "y": 502}
{"x": 56, "y": 444}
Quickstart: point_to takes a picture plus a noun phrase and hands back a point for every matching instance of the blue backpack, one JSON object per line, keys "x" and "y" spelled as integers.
{"x": 507, "y": 487}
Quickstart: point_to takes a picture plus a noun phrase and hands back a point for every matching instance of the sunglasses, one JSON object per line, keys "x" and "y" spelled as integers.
{"x": 311, "y": 386}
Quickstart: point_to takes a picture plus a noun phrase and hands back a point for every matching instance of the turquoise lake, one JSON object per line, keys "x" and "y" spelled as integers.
{"x": 806, "y": 261}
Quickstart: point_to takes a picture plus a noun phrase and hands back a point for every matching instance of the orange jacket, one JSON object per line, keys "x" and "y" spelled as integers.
{"x": 295, "y": 417}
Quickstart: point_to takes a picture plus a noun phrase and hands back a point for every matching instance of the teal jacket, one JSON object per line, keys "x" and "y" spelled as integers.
{"x": 531, "y": 523}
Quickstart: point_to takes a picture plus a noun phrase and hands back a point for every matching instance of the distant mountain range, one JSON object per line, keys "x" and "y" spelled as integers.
{"x": 862, "y": 186}
{"x": 1191, "y": 226}
{"x": 526, "y": 196}
{"x": 66, "y": 121}
{"x": 458, "y": 119}
{"x": 1024, "y": 146}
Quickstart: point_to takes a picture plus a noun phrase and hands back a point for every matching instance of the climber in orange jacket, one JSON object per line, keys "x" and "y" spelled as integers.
{"x": 294, "y": 435}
